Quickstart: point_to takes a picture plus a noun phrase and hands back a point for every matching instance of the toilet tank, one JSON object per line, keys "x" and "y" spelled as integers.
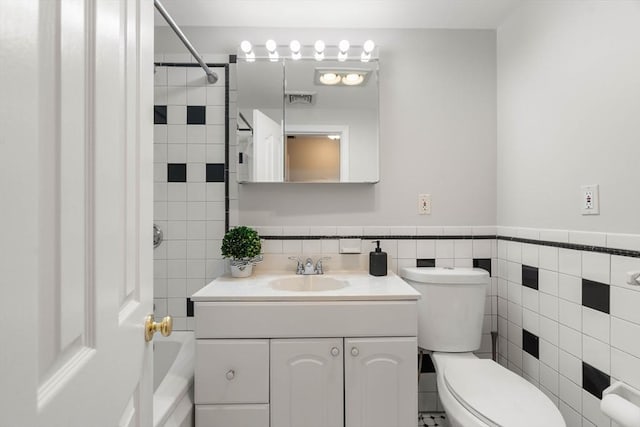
{"x": 451, "y": 309}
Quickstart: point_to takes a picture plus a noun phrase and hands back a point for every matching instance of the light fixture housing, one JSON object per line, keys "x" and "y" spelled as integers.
{"x": 247, "y": 49}
{"x": 343, "y": 49}
{"x": 318, "y": 48}
{"x": 341, "y": 76}
{"x": 295, "y": 48}
{"x": 272, "y": 47}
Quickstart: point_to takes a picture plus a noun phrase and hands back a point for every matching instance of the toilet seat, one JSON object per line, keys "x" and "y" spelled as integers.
{"x": 497, "y": 396}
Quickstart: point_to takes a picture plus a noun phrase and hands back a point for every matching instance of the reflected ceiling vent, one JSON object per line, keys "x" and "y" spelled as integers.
{"x": 305, "y": 98}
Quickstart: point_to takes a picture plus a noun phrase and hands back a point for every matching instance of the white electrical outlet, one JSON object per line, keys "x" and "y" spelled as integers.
{"x": 424, "y": 204}
{"x": 590, "y": 199}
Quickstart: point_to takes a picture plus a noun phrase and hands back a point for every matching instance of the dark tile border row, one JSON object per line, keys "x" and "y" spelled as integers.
{"x": 575, "y": 246}
{"x": 379, "y": 237}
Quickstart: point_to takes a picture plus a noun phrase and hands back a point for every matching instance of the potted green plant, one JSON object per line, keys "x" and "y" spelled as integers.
{"x": 241, "y": 245}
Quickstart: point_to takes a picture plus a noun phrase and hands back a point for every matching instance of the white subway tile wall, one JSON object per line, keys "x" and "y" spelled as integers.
{"x": 583, "y": 314}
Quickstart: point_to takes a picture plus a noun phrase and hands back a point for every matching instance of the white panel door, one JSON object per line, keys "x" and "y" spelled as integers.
{"x": 268, "y": 151}
{"x": 76, "y": 253}
{"x": 381, "y": 382}
{"x": 307, "y": 382}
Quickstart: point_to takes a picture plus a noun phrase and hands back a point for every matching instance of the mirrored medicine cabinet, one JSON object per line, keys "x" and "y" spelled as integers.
{"x": 307, "y": 120}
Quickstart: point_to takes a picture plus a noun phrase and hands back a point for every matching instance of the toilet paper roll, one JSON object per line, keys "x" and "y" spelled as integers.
{"x": 620, "y": 410}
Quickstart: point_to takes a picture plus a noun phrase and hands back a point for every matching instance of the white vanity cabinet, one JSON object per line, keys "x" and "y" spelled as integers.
{"x": 317, "y": 361}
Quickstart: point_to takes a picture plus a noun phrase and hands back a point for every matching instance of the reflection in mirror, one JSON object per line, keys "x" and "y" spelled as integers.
{"x": 307, "y": 120}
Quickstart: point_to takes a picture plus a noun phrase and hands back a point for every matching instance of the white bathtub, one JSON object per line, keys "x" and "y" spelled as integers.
{"x": 173, "y": 361}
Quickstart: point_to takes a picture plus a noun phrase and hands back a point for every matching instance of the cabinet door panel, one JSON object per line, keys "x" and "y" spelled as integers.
{"x": 381, "y": 383}
{"x": 307, "y": 382}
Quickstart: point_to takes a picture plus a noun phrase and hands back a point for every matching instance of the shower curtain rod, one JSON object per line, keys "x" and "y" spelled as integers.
{"x": 211, "y": 76}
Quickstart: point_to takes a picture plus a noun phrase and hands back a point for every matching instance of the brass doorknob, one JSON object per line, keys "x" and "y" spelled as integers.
{"x": 151, "y": 327}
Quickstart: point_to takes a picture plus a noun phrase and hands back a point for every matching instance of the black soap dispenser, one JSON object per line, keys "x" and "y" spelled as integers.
{"x": 378, "y": 261}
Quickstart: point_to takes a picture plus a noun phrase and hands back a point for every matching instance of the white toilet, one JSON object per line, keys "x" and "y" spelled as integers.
{"x": 474, "y": 392}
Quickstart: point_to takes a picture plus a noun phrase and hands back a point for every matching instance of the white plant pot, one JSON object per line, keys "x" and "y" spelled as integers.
{"x": 241, "y": 270}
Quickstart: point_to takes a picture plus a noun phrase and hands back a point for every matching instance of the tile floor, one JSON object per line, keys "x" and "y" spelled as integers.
{"x": 429, "y": 419}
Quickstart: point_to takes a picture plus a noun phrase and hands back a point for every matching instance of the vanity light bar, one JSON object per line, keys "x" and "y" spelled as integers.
{"x": 318, "y": 50}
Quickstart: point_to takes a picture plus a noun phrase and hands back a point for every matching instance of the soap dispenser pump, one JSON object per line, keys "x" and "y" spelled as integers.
{"x": 378, "y": 261}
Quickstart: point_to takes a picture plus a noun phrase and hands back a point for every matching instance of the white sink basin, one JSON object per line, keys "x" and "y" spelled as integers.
{"x": 303, "y": 283}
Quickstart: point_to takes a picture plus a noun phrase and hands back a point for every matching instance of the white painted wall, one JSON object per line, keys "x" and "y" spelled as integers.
{"x": 437, "y": 131}
{"x": 569, "y": 114}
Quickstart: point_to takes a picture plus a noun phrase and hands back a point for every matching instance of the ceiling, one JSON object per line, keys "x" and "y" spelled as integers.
{"x": 455, "y": 14}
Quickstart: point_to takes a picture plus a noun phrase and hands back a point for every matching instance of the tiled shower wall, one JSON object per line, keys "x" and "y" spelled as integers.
{"x": 189, "y": 187}
{"x": 567, "y": 320}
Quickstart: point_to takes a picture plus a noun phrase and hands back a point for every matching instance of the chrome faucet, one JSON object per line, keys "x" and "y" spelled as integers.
{"x": 307, "y": 268}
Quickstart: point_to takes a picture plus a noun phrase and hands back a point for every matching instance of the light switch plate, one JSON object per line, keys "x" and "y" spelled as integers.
{"x": 590, "y": 199}
{"x": 424, "y": 204}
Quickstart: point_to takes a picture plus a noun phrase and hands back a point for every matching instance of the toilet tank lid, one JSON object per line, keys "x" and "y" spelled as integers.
{"x": 443, "y": 275}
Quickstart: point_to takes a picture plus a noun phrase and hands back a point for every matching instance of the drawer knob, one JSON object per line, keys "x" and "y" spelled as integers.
{"x": 335, "y": 351}
{"x": 231, "y": 374}
{"x": 355, "y": 351}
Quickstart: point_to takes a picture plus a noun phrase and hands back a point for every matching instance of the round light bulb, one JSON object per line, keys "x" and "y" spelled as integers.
{"x": 295, "y": 46}
{"x": 245, "y": 46}
{"x": 368, "y": 46}
{"x": 271, "y": 45}
{"x": 353, "y": 79}
{"x": 319, "y": 46}
{"x": 329, "y": 78}
{"x": 343, "y": 46}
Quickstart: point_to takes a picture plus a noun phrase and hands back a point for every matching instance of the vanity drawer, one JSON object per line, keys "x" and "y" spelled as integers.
{"x": 277, "y": 319}
{"x": 232, "y": 371}
{"x": 232, "y": 415}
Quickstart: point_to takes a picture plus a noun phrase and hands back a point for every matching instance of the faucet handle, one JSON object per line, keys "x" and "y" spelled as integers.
{"x": 299, "y": 266}
{"x": 319, "y": 267}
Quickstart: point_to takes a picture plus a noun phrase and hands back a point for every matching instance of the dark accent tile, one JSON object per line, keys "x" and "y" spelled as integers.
{"x": 189, "y": 307}
{"x": 595, "y": 295}
{"x": 215, "y": 172}
{"x": 196, "y": 115}
{"x": 233, "y": 59}
{"x": 425, "y": 262}
{"x": 484, "y": 263}
{"x": 159, "y": 114}
{"x": 177, "y": 172}
{"x": 427, "y": 364}
{"x": 530, "y": 343}
{"x": 594, "y": 380}
{"x": 530, "y": 277}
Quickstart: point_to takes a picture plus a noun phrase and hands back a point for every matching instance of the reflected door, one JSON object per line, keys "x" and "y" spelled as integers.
{"x": 268, "y": 153}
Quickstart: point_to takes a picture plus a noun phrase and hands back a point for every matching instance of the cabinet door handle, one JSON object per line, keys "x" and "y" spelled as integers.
{"x": 335, "y": 351}
{"x": 354, "y": 351}
{"x": 231, "y": 374}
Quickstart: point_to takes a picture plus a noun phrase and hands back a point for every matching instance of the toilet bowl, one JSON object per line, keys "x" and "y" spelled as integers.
{"x": 480, "y": 393}
{"x": 474, "y": 392}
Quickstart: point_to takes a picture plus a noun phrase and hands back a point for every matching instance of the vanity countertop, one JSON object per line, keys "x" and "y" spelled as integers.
{"x": 361, "y": 287}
